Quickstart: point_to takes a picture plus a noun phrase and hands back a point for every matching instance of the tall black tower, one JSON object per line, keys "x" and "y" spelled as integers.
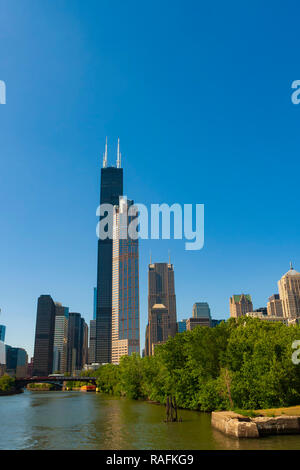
{"x": 111, "y": 190}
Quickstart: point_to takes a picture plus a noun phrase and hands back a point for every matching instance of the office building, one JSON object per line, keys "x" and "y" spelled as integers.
{"x": 162, "y": 318}
{"x": 192, "y": 323}
{"x": 2, "y": 332}
{"x": 16, "y": 361}
{"x": 201, "y": 310}
{"x": 289, "y": 293}
{"x": 181, "y": 326}
{"x": 44, "y": 336}
{"x": 125, "y": 285}
{"x": 77, "y": 343}
{"x": 240, "y": 305}
{"x": 274, "y": 306}
{"x": 110, "y": 191}
{"x": 92, "y": 346}
{"x": 60, "y": 344}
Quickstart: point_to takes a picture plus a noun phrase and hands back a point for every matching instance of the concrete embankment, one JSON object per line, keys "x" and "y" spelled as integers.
{"x": 240, "y": 426}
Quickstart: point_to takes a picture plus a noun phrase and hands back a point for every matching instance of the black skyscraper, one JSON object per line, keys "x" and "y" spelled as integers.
{"x": 111, "y": 189}
{"x": 44, "y": 336}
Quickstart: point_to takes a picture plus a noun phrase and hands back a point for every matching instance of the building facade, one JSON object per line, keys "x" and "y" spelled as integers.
{"x": 125, "y": 285}
{"x": 240, "y": 305}
{"x": 201, "y": 310}
{"x": 92, "y": 346}
{"x": 162, "y": 317}
{"x": 2, "y": 332}
{"x": 181, "y": 326}
{"x": 60, "y": 343}
{"x": 289, "y": 293}
{"x": 110, "y": 191}
{"x": 16, "y": 361}
{"x": 274, "y": 306}
{"x": 44, "y": 336}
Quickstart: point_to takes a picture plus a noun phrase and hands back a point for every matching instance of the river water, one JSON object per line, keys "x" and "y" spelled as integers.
{"x": 77, "y": 420}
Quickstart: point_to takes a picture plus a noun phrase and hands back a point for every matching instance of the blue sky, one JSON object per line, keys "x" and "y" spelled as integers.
{"x": 200, "y": 96}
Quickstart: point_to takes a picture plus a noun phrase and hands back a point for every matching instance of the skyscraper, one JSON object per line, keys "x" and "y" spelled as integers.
{"x": 60, "y": 344}
{"x": 16, "y": 361}
{"x": 44, "y": 336}
{"x": 92, "y": 347}
{"x": 125, "y": 286}
{"x": 74, "y": 358}
{"x": 289, "y": 292}
{"x": 201, "y": 310}
{"x": 110, "y": 190}
{"x": 240, "y": 305}
{"x": 161, "y": 305}
{"x": 2, "y": 332}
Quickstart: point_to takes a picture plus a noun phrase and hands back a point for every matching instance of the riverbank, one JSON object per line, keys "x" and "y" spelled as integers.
{"x": 13, "y": 391}
{"x": 261, "y": 422}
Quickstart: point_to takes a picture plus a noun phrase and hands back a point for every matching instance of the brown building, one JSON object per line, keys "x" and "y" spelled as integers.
{"x": 274, "y": 306}
{"x": 240, "y": 305}
{"x": 162, "y": 318}
{"x": 192, "y": 323}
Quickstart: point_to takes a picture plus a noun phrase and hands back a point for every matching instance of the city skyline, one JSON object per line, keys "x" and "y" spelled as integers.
{"x": 187, "y": 135}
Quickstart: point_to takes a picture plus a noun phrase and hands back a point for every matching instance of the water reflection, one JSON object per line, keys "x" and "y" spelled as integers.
{"x": 74, "y": 420}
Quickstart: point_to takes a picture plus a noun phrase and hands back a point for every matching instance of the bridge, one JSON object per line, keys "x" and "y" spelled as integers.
{"x": 54, "y": 379}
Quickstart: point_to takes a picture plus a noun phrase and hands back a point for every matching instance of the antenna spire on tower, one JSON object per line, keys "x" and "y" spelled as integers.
{"x": 291, "y": 265}
{"x": 105, "y": 155}
{"x": 118, "y": 155}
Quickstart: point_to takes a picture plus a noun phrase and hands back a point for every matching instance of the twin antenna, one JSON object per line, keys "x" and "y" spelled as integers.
{"x": 118, "y": 155}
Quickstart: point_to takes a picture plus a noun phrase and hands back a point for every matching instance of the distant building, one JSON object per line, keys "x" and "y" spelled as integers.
{"x": 16, "y": 361}
{"x": 201, "y": 310}
{"x": 44, "y": 336}
{"x": 181, "y": 326}
{"x": 60, "y": 344}
{"x": 30, "y": 368}
{"x": 274, "y": 306}
{"x": 289, "y": 292}
{"x": 240, "y": 305}
{"x": 192, "y": 323}
{"x": 125, "y": 285}
{"x": 74, "y": 357}
{"x": 2, "y": 332}
{"x": 162, "y": 318}
{"x": 84, "y": 342}
{"x": 270, "y": 318}
{"x": 92, "y": 346}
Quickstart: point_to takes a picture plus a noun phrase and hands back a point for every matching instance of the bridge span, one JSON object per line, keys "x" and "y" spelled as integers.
{"x": 59, "y": 379}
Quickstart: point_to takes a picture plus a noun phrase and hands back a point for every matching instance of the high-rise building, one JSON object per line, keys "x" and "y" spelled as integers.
{"x": 60, "y": 344}
{"x": 16, "y": 361}
{"x": 125, "y": 285}
{"x": 289, "y": 293}
{"x": 92, "y": 346}
{"x": 181, "y": 326}
{"x": 162, "y": 319}
{"x": 84, "y": 340}
{"x": 110, "y": 190}
{"x": 2, "y": 332}
{"x": 274, "y": 306}
{"x": 44, "y": 336}
{"x": 74, "y": 357}
{"x": 201, "y": 310}
{"x": 240, "y": 305}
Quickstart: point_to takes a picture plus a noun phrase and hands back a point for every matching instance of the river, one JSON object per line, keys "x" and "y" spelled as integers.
{"x": 77, "y": 420}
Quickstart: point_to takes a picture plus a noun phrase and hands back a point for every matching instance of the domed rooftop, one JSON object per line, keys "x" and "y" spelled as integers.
{"x": 291, "y": 272}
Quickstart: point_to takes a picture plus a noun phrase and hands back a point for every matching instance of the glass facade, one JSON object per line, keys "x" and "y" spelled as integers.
{"x": 111, "y": 189}
{"x": 2, "y": 332}
{"x": 125, "y": 287}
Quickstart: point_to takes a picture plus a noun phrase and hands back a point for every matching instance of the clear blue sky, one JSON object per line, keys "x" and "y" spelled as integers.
{"x": 199, "y": 94}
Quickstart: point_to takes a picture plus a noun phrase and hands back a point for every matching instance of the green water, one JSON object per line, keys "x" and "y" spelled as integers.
{"x": 76, "y": 420}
